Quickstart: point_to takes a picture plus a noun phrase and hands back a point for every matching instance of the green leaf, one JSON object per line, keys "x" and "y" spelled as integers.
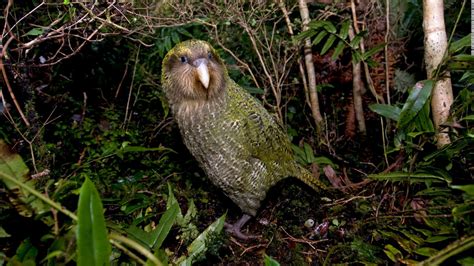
{"x": 12, "y": 164}
{"x": 407, "y": 177}
{"x": 35, "y": 32}
{"x": 327, "y": 25}
{"x": 338, "y": 50}
{"x": 415, "y": 102}
{"x": 166, "y": 222}
{"x": 308, "y": 152}
{"x": 319, "y": 37}
{"x": 373, "y": 51}
{"x": 198, "y": 246}
{"x": 392, "y": 253}
{"x": 468, "y": 118}
{"x": 436, "y": 239}
{"x": 269, "y": 261}
{"x": 469, "y": 189}
{"x": 386, "y": 110}
{"x": 426, "y": 251}
{"x": 344, "y": 29}
{"x": 460, "y": 44}
{"x": 356, "y": 41}
{"x": 93, "y": 247}
{"x": 304, "y": 35}
{"x": 328, "y": 44}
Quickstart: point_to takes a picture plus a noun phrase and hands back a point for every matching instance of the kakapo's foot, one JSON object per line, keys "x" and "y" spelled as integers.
{"x": 235, "y": 228}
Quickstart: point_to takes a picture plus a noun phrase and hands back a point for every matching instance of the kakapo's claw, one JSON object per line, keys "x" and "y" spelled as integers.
{"x": 235, "y": 228}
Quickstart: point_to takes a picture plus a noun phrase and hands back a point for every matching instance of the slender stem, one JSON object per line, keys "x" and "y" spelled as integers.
{"x": 39, "y": 195}
{"x": 129, "y": 242}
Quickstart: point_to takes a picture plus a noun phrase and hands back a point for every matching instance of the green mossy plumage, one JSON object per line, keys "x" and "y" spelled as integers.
{"x": 240, "y": 146}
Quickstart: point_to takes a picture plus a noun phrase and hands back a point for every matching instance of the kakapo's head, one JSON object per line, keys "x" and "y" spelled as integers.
{"x": 193, "y": 71}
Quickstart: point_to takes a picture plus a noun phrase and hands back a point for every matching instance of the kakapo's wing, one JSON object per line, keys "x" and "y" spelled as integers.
{"x": 265, "y": 137}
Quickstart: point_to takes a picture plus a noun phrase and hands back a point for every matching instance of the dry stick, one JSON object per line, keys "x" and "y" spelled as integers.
{"x": 264, "y": 66}
{"x": 387, "y": 62}
{"x": 300, "y": 63}
{"x": 131, "y": 89}
{"x": 7, "y": 83}
{"x": 362, "y": 49}
{"x": 308, "y": 56}
{"x": 357, "y": 91}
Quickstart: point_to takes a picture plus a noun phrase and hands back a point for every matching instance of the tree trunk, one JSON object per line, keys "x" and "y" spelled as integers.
{"x": 436, "y": 43}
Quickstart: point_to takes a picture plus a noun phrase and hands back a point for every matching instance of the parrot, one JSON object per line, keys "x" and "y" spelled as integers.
{"x": 241, "y": 147}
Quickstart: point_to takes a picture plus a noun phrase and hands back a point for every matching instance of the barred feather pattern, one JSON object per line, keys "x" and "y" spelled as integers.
{"x": 240, "y": 146}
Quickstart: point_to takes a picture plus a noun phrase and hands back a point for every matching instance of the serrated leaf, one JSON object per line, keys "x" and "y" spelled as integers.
{"x": 93, "y": 247}
{"x": 415, "y": 102}
{"x": 328, "y": 44}
{"x": 386, "y": 110}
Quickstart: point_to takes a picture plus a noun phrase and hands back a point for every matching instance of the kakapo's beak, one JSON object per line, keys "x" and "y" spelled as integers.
{"x": 202, "y": 70}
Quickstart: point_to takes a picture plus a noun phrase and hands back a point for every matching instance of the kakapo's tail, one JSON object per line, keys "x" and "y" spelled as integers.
{"x": 305, "y": 176}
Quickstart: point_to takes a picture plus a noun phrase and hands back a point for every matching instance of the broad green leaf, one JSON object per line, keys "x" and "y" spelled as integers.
{"x": 344, "y": 29}
{"x": 434, "y": 191}
{"x": 426, "y": 251}
{"x": 460, "y": 44}
{"x": 392, "y": 253}
{"x": 338, "y": 50}
{"x": 198, "y": 246}
{"x": 356, "y": 41}
{"x": 469, "y": 189}
{"x": 309, "y": 153}
{"x": 93, "y": 247}
{"x": 166, "y": 222}
{"x": 462, "y": 62}
{"x": 319, "y": 37}
{"x": 406, "y": 244}
{"x": 35, "y": 32}
{"x": 328, "y": 44}
{"x": 386, "y": 110}
{"x": 418, "y": 240}
{"x": 304, "y": 35}
{"x": 415, "y": 102}
{"x": 327, "y": 25}
{"x": 11, "y": 164}
{"x": 316, "y": 24}
{"x": 269, "y": 261}
{"x": 423, "y": 120}
{"x": 468, "y": 261}
{"x": 373, "y": 51}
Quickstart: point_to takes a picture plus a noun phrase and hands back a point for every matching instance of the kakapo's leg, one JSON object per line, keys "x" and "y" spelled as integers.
{"x": 235, "y": 228}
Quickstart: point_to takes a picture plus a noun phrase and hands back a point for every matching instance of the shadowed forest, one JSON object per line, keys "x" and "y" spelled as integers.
{"x": 375, "y": 96}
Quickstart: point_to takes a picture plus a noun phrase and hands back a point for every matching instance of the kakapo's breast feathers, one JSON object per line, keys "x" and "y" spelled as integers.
{"x": 240, "y": 146}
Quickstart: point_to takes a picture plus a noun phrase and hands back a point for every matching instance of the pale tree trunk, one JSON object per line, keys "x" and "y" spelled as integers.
{"x": 308, "y": 56}
{"x": 435, "y": 48}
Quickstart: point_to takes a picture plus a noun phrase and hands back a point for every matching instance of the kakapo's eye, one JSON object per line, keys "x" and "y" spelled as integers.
{"x": 184, "y": 59}
{"x": 209, "y": 55}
